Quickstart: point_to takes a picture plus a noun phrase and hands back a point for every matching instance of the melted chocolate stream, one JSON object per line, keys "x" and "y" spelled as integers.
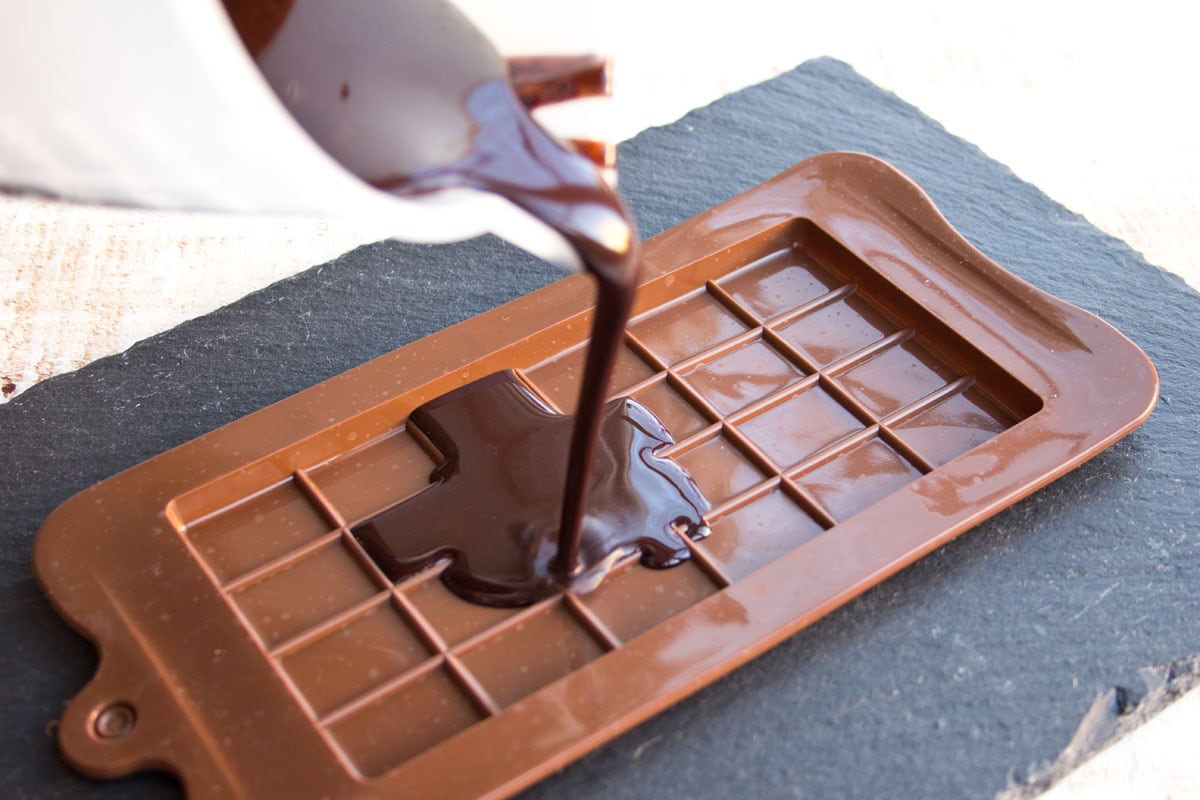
{"x": 515, "y": 158}
{"x": 409, "y": 97}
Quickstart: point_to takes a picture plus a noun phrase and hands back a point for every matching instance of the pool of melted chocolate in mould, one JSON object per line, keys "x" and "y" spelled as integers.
{"x": 493, "y": 510}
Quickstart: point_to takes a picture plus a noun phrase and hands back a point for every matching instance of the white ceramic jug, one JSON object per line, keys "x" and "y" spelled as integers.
{"x": 156, "y": 103}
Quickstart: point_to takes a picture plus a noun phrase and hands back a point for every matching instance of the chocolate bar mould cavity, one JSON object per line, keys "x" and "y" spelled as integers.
{"x": 849, "y": 382}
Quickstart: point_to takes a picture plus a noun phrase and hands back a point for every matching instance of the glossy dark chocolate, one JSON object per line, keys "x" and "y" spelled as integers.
{"x": 492, "y": 508}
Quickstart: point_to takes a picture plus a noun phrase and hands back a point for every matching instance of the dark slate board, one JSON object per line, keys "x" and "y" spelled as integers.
{"x": 946, "y": 681}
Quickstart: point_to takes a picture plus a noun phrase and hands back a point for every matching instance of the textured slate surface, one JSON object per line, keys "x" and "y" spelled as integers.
{"x": 945, "y": 681}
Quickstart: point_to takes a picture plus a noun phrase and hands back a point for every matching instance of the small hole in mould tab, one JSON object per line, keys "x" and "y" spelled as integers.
{"x": 115, "y": 721}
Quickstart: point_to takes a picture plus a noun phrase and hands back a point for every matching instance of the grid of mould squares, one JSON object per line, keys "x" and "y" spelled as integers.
{"x": 386, "y": 671}
{"x": 794, "y": 401}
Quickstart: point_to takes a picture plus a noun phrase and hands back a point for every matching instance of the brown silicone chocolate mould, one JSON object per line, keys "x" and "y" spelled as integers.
{"x": 849, "y": 382}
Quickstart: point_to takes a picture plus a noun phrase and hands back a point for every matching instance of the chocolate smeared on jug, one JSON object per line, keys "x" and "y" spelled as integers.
{"x": 411, "y": 98}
